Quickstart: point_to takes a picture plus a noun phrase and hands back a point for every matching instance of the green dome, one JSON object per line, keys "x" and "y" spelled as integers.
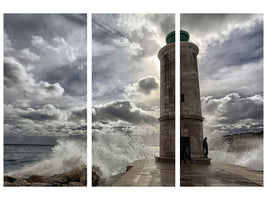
{"x": 184, "y": 36}
{"x": 170, "y": 38}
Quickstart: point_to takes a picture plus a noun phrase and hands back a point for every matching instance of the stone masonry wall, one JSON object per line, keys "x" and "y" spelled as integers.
{"x": 167, "y": 100}
{"x": 190, "y": 108}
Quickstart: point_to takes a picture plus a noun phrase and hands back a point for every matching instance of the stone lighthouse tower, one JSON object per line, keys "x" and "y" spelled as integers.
{"x": 191, "y": 130}
{"x": 166, "y": 56}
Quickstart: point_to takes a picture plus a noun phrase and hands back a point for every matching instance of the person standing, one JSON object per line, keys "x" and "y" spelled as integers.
{"x": 205, "y": 147}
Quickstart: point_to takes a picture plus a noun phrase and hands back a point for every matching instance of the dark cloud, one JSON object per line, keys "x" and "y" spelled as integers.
{"x": 45, "y": 75}
{"x": 204, "y": 24}
{"x": 73, "y": 79}
{"x": 125, "y": 48}
{"x": 230, "y": 70}
{"x": 144, "y": 93}
{"x": 97, "y": 127}
{"x": 38, "y": 116}
{"x": 125, "y": 110}
{"x": 127, "y": 130}
{"x": 111, "y": 73}
{"x": 122, "y": 110}
{"x": 50, "y": 37}
{"x": 234, "y": 64}
{"x": 16, "y": 77}
{"x": 80, "y": 114}
{"x": 48, "y": 120}
{"x": 14, "y": 73}
{"x": 244, "y": 128}
{"x": 166, "y": 22}
{"x": 83, "y": 128}
{"x": 232, "y": 108}
{"x": 80, "y": 19}
{"x": 242, "y": 46}
{"x": 147, "y": 84}
{"x": 46, "y": 25}
{"x": 103, "y": 31}
{"x": 233, "y": 113}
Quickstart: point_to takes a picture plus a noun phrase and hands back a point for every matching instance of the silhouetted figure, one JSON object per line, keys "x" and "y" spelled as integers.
{"x": 205, "y": 147}
{"x": 182, "y": 154}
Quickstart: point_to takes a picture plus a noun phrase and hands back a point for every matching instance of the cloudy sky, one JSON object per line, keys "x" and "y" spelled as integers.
{"x": 230, "y": 70}
{"x": 125, "y": 77}
{"x": 44, "y": 77}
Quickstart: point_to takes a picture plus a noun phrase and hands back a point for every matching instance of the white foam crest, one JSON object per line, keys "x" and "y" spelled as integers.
{"x": 65, "y": 156}
{"x": 112, "y": 152}
{"x": 249, "y": 157}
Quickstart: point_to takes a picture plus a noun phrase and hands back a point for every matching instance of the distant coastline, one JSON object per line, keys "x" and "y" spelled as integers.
{"x": 259, "y": 133}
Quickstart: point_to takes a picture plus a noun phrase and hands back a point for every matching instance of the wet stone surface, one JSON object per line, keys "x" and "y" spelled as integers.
{"x": 219, "y": 174}
{"x": 147, "y": 172}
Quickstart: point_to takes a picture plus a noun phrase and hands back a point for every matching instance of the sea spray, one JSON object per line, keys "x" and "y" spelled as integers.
{"x": 64, "y": 157}
{"x": 113, "y": 151}
{"x": 250, "y": 156}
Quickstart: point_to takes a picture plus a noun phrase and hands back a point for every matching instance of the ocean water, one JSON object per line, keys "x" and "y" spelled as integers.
{"x": 17, "y": 156}
{"x": 27, "y": 160}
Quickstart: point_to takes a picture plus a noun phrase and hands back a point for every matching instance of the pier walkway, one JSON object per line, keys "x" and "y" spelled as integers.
{"x": 219, "y": 174}
{"x": 147, "y": 172}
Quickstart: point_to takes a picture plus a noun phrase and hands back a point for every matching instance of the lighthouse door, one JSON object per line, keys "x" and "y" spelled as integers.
{"x": 185, "y": 143}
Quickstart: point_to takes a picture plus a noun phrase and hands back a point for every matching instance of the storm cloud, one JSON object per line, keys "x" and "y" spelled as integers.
{"x": 125, "y": 48}
{"x": 230, "y": 70}
{"x": 234, "y": 112}
{"x": 147, "y": 84}
{"x": 122, "y": 110}
{"x": 47, "y": 120}
{"x": 79, "y": 114}
{"x": 125, "y": 87}
{"x": 44, "y": 75}
{"x": 17, "y": 78}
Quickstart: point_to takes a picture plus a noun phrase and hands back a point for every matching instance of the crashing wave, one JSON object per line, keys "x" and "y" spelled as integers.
{"x": 64, "y": 157}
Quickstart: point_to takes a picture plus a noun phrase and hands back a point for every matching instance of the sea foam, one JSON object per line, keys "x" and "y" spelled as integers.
{"x": 113, "y": 151}
{"x": 248, "y": 156}
{"x": 64, "y": 157}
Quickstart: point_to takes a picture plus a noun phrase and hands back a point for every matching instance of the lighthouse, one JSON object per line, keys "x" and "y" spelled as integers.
{"x": 191, "y": 129}
{"x": 166, "y": 56}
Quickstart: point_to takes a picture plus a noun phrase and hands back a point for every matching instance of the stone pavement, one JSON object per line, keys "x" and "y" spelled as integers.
{"x": 219, "y": 174}
{"x": 147, "y": 172}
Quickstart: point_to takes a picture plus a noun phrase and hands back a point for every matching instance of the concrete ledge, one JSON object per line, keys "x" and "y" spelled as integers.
{"x": 166, "y": 118}
{"x": 201, "y": 160}
{"x": 164, "y": 159}
{"x": 192, "y": 117}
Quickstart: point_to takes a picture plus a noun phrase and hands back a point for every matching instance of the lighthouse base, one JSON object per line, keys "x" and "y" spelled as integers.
{"x": 201, "y": 160}
{"x": 164, "y": 159}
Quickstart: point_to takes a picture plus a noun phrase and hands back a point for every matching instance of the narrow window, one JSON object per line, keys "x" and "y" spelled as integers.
{"x": 182, "y": 97}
